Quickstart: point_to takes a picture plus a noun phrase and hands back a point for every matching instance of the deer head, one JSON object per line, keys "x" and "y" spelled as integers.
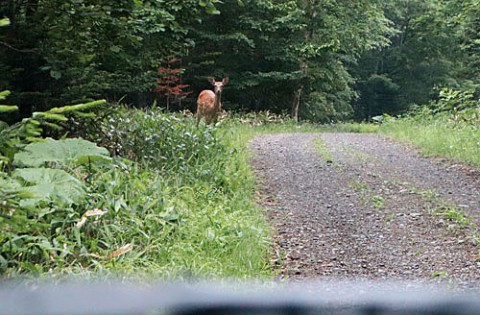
{"x": 218, "y": 85}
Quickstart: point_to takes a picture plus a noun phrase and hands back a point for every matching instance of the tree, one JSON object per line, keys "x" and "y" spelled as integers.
{"x": 170, "y": 83}
{"x": 467, "y": 25}
{"x": 63, "y": 51}
{"x": 320, "y": 60}
{"x": 277, "y": 53}
{"x": 336, "y": 32}
{"x": 423, "y": 54}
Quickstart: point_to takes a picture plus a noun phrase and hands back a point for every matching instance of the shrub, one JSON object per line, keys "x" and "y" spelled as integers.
{"x": 261, "y": 118}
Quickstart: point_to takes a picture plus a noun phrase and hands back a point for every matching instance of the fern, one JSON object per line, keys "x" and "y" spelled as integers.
{"x": 4, "y": 94}
{"x": 6, "y": 108}
{"x": 4, "y": 22}
{"x": 76, "y": 108}
{"x": 15, "y": 137}
{"x": 49, "y": 116}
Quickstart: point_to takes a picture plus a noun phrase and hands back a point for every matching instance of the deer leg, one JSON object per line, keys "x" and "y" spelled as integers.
{"x": 198, "y": 119}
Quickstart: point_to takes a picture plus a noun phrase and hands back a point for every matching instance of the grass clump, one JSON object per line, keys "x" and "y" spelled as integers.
{"x": 453, "y": 214}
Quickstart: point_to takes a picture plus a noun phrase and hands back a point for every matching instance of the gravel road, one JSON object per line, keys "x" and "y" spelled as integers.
{"x": 361, "y": 206}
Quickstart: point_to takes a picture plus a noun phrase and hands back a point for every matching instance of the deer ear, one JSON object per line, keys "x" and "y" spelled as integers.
{"x": 211, "y": 80}
{"x": 225, "y": 80}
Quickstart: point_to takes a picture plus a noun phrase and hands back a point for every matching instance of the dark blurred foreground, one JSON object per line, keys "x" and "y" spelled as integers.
{"x": 233, "y": 298}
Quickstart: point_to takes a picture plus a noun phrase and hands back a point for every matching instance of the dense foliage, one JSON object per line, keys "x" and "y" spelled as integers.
{"x": 322, "y": 60}
{"x": 175, "y": 201}
{"x": 435, "y": 45}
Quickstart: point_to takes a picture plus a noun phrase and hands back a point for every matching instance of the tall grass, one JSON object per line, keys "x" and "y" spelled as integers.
{"x": 204, "y": 216}
{"x": 448, "y": 126}
{"x": 438, "y": 137}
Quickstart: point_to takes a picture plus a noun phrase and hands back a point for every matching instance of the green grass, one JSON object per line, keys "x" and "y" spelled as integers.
{"x": 354, "y": 127}
{"x": 438, "y": 138}
{"x": 454, "y": 214}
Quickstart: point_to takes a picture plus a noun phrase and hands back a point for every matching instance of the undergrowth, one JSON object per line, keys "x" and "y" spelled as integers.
{"x": 174, "y": 202}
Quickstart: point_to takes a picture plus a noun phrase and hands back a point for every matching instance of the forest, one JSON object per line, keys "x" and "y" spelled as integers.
{"x": 102, "y": 168}
{"x": 316, "y": 60}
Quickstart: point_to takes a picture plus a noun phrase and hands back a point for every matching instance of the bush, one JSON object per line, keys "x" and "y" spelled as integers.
{"x": 261, "y": 118}
{"x": 165, "y": 141}
{"x": 459, "y": 107}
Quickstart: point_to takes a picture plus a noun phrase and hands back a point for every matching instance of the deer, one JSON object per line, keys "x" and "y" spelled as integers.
{"x": 209, "y": 103}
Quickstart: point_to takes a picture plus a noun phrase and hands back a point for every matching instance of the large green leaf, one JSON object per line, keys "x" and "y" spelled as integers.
{"x": 68, "y": 152}
{"x": 4, "y": 22}
{"x": 4, "y": 94}
{"x": 48, "y": 184}
{"x": 12, "y": 189}
{"x": 8, "y": 108}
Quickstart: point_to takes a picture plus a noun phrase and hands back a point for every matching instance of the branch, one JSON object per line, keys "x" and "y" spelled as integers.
{"x": 18, "y": 50}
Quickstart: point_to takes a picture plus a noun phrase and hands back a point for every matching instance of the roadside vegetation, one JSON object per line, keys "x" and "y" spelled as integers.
{"x": 166, "y": 200}
{"x": 138, "y": 192}
{"x": 446, "y": 127}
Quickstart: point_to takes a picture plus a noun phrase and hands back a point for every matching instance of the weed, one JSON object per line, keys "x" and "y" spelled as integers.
{"x": 378, "y": 202}
{"x": 322, "y": 149}
{"x": 363, "y": 189}
{"x": 439, "y": 274}
{"x": 429, "y": 195}
{"x": 452, "y": 213}
{"x": 447, "y": 211}
{"x": 390, "y": 218}
{"x": 361, "y": 186}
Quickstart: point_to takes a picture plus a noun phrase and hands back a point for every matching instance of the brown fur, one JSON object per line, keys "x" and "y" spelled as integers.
{"x": 209, "y": 102}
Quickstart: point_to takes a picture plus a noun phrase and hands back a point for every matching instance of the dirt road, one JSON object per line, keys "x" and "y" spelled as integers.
{"x": 361, "y": 206}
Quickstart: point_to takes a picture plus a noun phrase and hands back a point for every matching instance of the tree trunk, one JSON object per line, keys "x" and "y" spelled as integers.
{"x": 12, "y": 12}
{"x": 31, "y": 8}
{"x": 309, "y": 32}
{"x": 296, "y": 102}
